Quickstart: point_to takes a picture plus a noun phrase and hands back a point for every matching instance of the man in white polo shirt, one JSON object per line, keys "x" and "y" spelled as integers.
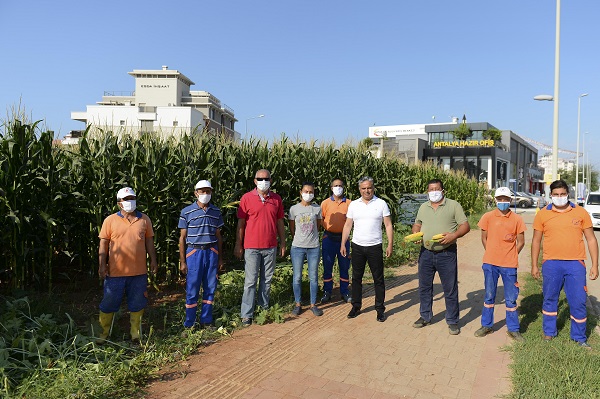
{"x": 367, "y": 213}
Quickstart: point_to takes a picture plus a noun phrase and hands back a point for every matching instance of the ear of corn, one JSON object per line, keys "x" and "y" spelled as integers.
{"x": 437, "y": 237}
{"x": 414, "y": 237}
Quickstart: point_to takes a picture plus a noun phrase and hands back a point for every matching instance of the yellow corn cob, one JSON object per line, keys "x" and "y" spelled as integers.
{"x": 437, "y": 237}
{"x": 414, "y": 237}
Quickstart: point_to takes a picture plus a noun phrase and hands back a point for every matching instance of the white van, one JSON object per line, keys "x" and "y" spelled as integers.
{"x": 592, "y": 206}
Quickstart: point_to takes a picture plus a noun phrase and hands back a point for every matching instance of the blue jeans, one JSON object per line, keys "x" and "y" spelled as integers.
{"x": 258, "y": 263}
{"x": 134, "y": 287}
{"x": 511, "y": 293}
{"x": 445, "y": 263}
{"x": 312, "y": 255}
{"x": 571, "y": 275}
{"x": 331, "y": 250}
{"x": 202, "y": 270}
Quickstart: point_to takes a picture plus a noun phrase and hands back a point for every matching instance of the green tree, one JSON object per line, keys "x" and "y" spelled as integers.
{"x": 569, "y": 176}
{"x": 492, "y": 134}
{"x": 462, "y": 132}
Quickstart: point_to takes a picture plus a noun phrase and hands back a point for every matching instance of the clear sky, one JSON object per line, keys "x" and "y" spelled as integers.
{"x": 325, "y": 69}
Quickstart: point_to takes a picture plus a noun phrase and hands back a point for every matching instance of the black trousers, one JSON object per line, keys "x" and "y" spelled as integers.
{"x": 374, "y": 256}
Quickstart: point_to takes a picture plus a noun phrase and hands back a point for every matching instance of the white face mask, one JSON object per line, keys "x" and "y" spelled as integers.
{"x": 338, "y": 191}
{"x": 204, "y": 198}
{"x": 128, "y": 206}
{"x": 263, "y": 185}
{"x": 560, "y": 201}
{"x": 435, "y": 196}
{"x": 307, "y": 197}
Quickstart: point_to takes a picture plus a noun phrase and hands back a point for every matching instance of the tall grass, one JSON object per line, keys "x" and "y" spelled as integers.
{"x": 552, "y": 369}
{"x": 53, "y": 198}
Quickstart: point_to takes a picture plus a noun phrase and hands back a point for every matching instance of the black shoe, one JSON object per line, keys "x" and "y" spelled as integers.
{"x": 354, "y": 312}
{"x": 326, "y": 297}
{"x": 346, "y": 298}
{"x": 453, "y": 329}
{"x": 380, "y": 317}
{"x": 297, "y": 310}
{"x": 246, "y": 322}
{"x": 421, "y": 323}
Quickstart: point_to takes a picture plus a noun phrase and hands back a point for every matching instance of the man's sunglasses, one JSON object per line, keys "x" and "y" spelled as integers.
{"x": 262, "y": 178}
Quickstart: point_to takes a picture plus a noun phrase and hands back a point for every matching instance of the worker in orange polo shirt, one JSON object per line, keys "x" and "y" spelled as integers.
{"x": 503, "y": 238}
{"x": 125, "y": 239}
{"x": 562, "y": 225}
{"x": 334, "y": 211}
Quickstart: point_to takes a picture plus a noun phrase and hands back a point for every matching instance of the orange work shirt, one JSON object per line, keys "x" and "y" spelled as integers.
{"x": 563, "y": 232}
{"x": 502, "y": 231}
{"x": 334, "y": 214}
{"x": 127, "y": 247}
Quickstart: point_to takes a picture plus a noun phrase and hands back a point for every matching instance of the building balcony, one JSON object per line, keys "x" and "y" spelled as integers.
{"x": 79, "y": 116}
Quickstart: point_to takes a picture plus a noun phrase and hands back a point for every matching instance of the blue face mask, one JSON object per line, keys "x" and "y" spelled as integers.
{"x": 503, "y": 205}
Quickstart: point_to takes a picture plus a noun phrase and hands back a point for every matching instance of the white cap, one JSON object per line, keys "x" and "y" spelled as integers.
{"x": 203, "y": 184}
{"x": 125, "y": 192}
{"x": 503, "y": 192}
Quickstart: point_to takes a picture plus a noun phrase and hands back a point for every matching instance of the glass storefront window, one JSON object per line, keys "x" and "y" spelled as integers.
{"x": 471, "y": 167}
{"x": 458, "y": 164}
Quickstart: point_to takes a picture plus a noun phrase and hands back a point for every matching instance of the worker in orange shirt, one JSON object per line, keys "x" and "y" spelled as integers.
{"x": 334, "y": 211}
{"x": 503, "y": 238}
{"x": 562, "y": 225}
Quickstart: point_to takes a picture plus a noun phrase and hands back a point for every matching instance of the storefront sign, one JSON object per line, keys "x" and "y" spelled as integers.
{"x": 463, "y": 143}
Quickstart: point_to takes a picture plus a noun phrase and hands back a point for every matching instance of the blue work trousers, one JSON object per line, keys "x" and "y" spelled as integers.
{"x": 202, "y": 271}
{"x": 445, "y": 264}
{"x": 571, "y": 275}
{"x": 331, "y": 250}
{"x": 133, "y": 287}
{"x": 491, "y": 274}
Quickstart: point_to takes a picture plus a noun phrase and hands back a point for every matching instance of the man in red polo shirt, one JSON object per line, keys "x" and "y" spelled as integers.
{"x": 260, "y": 222}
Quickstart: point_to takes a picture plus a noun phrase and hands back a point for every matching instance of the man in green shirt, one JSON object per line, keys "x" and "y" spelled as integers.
{"x": 439, "y": 215}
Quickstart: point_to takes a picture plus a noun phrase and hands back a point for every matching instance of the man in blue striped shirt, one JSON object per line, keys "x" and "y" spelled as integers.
{"x": 200, "y": 248}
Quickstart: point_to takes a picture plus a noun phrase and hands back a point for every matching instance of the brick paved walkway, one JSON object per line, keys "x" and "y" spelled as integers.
{"x": 332, "y": 356}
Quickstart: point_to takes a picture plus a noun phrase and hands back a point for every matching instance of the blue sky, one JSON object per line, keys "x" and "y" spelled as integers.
{"x": 316, "y": 69}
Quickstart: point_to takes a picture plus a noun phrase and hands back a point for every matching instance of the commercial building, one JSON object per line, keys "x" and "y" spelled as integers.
{"x": 163, "y": 104}
{"x": 545, "y": 162}
{"x": 507, "y": 161}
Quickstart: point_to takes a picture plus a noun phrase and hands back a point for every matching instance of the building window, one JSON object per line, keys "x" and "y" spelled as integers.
{"x": 458, "y": 164}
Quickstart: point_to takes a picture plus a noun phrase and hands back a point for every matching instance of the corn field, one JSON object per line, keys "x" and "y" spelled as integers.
{"x": 53, "y": 198}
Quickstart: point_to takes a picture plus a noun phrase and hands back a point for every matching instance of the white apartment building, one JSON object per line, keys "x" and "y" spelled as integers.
{"x": 162, "y": 104}
{"x": 545, "y": 162}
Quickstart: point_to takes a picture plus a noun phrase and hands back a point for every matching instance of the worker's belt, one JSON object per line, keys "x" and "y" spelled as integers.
{"x": 451, "y": 248}
{"x": 337, "y": 237}
{"x": 201, "y": 246}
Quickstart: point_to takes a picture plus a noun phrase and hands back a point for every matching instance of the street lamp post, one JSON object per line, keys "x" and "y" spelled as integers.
{"x": 555, "y": 97}
{"x": 254, "y": 117}
{"x": 586, "y": 158}
{"x": 556, "y": 91}
{"x": 577, "y": 158}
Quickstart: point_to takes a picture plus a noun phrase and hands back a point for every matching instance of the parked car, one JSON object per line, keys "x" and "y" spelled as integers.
{"x": 522, "y": 201}
{"x": 592, "y": 206}
{"x": 536, "y": 200}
